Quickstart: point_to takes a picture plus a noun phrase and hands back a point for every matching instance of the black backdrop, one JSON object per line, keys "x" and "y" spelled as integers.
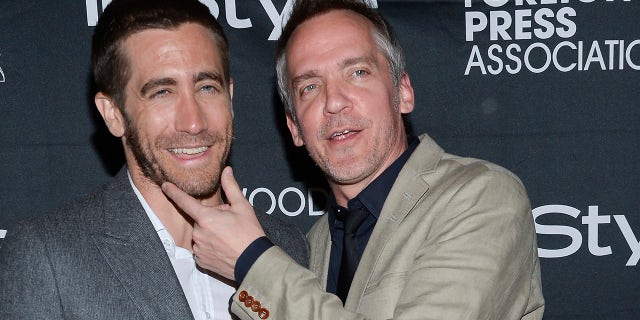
{"x": 548, "y": 89}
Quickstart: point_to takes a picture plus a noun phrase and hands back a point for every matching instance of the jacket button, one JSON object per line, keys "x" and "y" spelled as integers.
{"x": 263, "y": 313}
{"x": 255, "y": 306}
{"x": 248, "y": 301}
{"x": 242, "y": 296}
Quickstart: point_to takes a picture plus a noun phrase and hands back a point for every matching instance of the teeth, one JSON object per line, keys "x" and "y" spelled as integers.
{"x": 339, "y": 133}
{"x": 189, "y": 151}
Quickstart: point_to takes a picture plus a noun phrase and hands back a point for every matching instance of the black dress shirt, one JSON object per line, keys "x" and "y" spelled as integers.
{"x": 372, "y": 199}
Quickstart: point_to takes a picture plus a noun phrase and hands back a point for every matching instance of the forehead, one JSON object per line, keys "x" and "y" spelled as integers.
{"x": 334, "y": 20}
{"x": 335, "y": 33}
{"x": 188, "y": 45}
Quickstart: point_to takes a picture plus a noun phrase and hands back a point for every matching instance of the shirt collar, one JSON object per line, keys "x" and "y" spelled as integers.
{"x": 374, "y": 195}
{"x": 166, "y": 238}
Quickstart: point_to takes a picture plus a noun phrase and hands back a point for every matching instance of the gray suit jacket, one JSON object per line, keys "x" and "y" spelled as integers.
{"x": 455, "y": 240}
{"x": 100, "y": 258}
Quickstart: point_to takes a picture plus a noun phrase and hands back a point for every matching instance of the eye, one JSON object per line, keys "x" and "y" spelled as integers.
{"x": 360, "y": 73}
{"x": 209, "y": 88}
{"x": 308, "y": 88}
{"x": 159, "y": 93}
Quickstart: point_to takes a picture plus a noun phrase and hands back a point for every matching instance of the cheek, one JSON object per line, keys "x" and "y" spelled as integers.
{"x": 155, "y": 123}
{"x": 380, "y": 106}
{"x": 221, "y": 117}
{"x": 308, "y": 125}
{"x": 150, "y": 125}
{"x": 310, "y": 114}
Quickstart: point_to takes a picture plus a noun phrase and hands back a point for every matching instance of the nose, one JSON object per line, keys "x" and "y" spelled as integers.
{"x": 336, "y": 97}
{"x": 189, "y": 116}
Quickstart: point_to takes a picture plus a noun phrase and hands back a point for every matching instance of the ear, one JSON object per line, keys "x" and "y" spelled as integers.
{"x": 295, "y": 132}
{"x": 110, "y": 114}
{"x": 231, "y": 97}
{"x": 405, "y": 90}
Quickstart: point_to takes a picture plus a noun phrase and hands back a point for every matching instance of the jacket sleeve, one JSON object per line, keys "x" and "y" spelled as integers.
{"x": 276, "y": 287}
{"x": 28, "y": 287}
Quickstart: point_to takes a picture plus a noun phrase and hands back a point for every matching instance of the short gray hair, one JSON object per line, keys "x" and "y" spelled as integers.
{"x": 303, "y": 10}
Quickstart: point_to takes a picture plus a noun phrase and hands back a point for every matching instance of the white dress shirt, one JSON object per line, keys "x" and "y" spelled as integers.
{"x": 208, "y": 297}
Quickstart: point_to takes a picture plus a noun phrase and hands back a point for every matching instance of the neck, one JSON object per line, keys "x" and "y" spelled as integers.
{"x": 345, "y": 191}
{"x": 178, "y": 224}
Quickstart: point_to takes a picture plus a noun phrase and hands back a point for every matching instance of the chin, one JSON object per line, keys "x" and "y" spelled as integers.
{"x": 200, "y": 191}
{"x": 200, "y": 185}
{"x": 347, "y": 176}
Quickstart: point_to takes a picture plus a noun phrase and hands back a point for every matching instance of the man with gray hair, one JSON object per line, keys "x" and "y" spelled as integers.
{"x": 412, "y": 232}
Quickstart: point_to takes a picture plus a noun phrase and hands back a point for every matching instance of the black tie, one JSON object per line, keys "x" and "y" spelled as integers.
{"x": 350, "y": 253}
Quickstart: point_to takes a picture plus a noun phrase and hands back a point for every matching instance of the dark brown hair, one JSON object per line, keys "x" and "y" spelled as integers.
{"x": 122, "y": 18}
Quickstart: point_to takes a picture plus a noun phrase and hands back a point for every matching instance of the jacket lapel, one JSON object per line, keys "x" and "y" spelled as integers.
{"x": 320, "y": 250}
{"x": 134, "y": 253}
{"x": 410, "y": 187}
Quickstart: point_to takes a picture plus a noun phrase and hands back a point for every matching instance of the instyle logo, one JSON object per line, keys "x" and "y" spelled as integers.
{"x": 234, "y": 18}
{"x": 290, "y": 201}
{"x": 537, "y": 35}
{"x": 594, "y": 222}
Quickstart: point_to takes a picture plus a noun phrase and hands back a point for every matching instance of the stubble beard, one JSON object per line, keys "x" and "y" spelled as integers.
{"x": 365, "y": 167}
{"x": 200, "y": 183}
{"x": 341, "y": 173}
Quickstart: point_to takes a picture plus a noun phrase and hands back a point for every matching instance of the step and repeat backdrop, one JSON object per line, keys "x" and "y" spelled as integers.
{"x": 549, "y": 89}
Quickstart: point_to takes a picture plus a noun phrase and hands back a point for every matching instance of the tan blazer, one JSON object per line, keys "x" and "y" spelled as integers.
{"x": 455, "y": 240}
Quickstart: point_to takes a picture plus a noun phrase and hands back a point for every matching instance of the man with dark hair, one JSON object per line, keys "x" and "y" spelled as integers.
{"x": 413, "y": 232}
{"x": 125, "y": 252}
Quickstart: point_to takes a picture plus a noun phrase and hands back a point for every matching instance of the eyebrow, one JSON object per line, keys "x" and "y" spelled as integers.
{"x": 355, "y": 60}
{"x": 344, "y": 63}
{"x": 208, "y": 75}
{"x": 305, "y": 76}
{"x": 154, "y": 83}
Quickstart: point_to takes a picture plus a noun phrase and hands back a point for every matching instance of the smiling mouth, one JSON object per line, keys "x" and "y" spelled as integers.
{"x": 337, "y": 135}
{"x": 188, "y": 151}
